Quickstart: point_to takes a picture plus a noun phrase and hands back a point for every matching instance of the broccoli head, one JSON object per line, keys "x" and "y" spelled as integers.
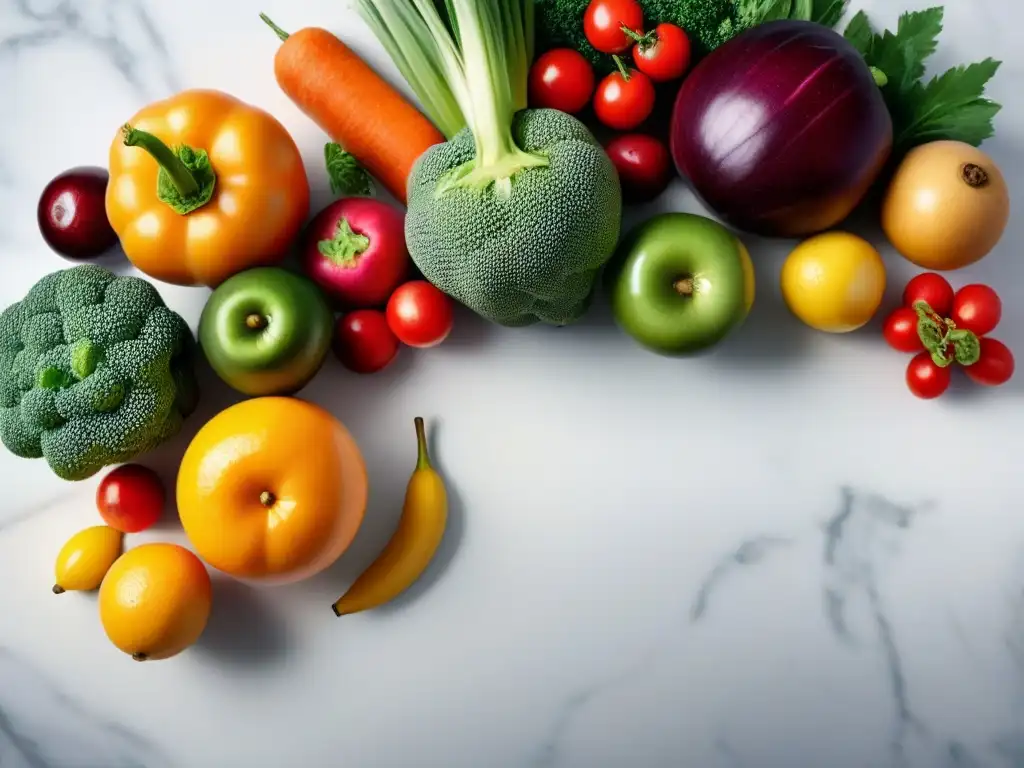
{"x": 94, "y": 370}
{"x": 708, "y": 23}
{"x": 527, "y": 250}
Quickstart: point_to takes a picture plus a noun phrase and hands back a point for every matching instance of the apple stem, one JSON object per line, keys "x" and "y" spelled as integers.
{"x": 255, "y": 321}
{"x": 684, "y": 286}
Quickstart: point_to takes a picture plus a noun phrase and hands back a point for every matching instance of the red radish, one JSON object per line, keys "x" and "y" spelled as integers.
{"x": 355, "y": 251}
{"x": 72, "y": 213}
{"x": 644, "y": 166}
{"x": 363, "y": 341}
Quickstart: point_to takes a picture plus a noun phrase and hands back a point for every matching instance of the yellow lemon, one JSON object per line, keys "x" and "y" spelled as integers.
{"x": 834, "y": 282}
{"x": 85, "y": 559}
{"x": 155, "y": 601}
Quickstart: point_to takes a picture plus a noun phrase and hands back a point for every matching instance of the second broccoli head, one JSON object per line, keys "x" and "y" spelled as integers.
{"x": 94, "y": 370}
{"x": 708, "y": 24}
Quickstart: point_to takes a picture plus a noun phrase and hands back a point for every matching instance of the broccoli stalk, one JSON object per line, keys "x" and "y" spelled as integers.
{"x": 516, "y": 213}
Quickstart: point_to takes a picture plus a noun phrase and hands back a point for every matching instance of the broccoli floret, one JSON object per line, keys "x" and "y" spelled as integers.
{"x": 94, "y": 370}
{"x": 531, "y": 254}
{"x": 708, "y": 23}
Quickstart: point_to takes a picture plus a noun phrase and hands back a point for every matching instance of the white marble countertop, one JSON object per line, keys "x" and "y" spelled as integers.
{"x": 772, "y": 557}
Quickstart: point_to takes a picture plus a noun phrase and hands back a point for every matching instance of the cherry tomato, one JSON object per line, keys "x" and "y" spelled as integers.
{"x": 925, "y": 379}
{"x": 931, "y": 288}
{"x": 130, "y": 498}
{"x": 364, "y": 342}
{"x": 643, "y": 163}
{"x": 419, "y": 314}
{"x": 667, "y": 55}
{"x": 900, "y": 330}
{"x": 995, "y": 366}
{"x": 977, "y": 308}
{"x": 561, "y": 79}
{"x": 603, "y": 22}
{"x": 623, "y": 101}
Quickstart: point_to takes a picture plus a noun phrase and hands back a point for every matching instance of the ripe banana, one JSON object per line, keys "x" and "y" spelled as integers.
{"x": 85, "y": 559}
{"x": 411, "y": 548}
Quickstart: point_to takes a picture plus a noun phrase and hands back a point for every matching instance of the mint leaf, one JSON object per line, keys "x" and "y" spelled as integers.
{"x": 828, "y": 12}
{"x": 951, "y": 106}
{"x": 346, "y": 176}
{"x": 860, "y": 34}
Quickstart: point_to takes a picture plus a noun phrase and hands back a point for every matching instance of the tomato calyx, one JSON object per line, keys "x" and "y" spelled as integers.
{"x": 645, "y": 40}
{"x": 945, "y": 342}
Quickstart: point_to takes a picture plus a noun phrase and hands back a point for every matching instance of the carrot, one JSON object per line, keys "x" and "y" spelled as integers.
{"x": 354, "y": 105}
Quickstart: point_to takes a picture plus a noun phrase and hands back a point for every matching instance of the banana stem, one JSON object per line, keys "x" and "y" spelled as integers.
{"x": 422, "y": 455}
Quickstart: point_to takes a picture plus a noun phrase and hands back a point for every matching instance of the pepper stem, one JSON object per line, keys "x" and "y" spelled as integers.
{"x": 176, "y": 170}
{"x": 277, "y": 30}
{"x": 622, "y": 67}
{"x": 422, "y": 455}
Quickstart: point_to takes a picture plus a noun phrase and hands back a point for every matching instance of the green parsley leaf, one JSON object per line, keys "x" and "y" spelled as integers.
{"x": 828, "y": 12}
{"x": 347, "y": 177}
{"x": 951, "y": 106}
{"x": 752, "y": 13}
{"x": 859, "y": 33}
{"x": 901, "y": 56}
{"x": 802, "y": 9}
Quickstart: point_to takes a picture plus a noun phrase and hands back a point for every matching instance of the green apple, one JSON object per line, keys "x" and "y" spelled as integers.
{"x": 266, "y": 331}
{"x": 680, "y": 283}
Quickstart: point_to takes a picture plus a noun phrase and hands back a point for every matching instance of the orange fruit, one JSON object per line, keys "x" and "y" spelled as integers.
{"x": 155, "y": 601}
{"x": 272, "y": 488}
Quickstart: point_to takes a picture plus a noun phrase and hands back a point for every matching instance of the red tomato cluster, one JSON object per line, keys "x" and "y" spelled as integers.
{"x": 563, "y": 79}
{"x": 417, "y": 315}
{"x": 943, "y": 328}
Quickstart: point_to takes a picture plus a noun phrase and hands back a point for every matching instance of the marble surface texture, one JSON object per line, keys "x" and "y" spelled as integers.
{"x": 771, "y": 557}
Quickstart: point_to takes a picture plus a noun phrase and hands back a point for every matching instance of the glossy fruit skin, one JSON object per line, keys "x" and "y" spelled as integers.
{"x": 977, "y": 308}
{"x": 925, "y": 379}
{"x": 85, "y": 558}
{"x": 603, "y": 21}
{"x": 259, "y": 203}
{"x": 739, "y": 109}
{"x": 996, "y": 365}
{"x": 644, "y": 166}
{"x": 363, "y": 341}
{"x": 282, "y": 347}
{"x": 667, "y": 58}
{"x": 624, "y": 104}
{"x": 272, "y": 489}
{"x": 419, "y": 314}
{"x": 561, "y": 79}
{"x": 367, "y": 278}
{"x": 72, "y": 216}
{"x": 900, "y": 330}
{"x": 931, "y": 288}
{"x": 834, "y": 282}
{"x": 155, "y": 601}
{"x": 130, "y": 498}
{"x": 650, "y": 305}
{"x": 408, "y": 553}
{"x": 941, "y": 217}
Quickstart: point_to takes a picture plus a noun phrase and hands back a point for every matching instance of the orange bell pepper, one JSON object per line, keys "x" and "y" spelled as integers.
{"x": 203, "y": 186}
